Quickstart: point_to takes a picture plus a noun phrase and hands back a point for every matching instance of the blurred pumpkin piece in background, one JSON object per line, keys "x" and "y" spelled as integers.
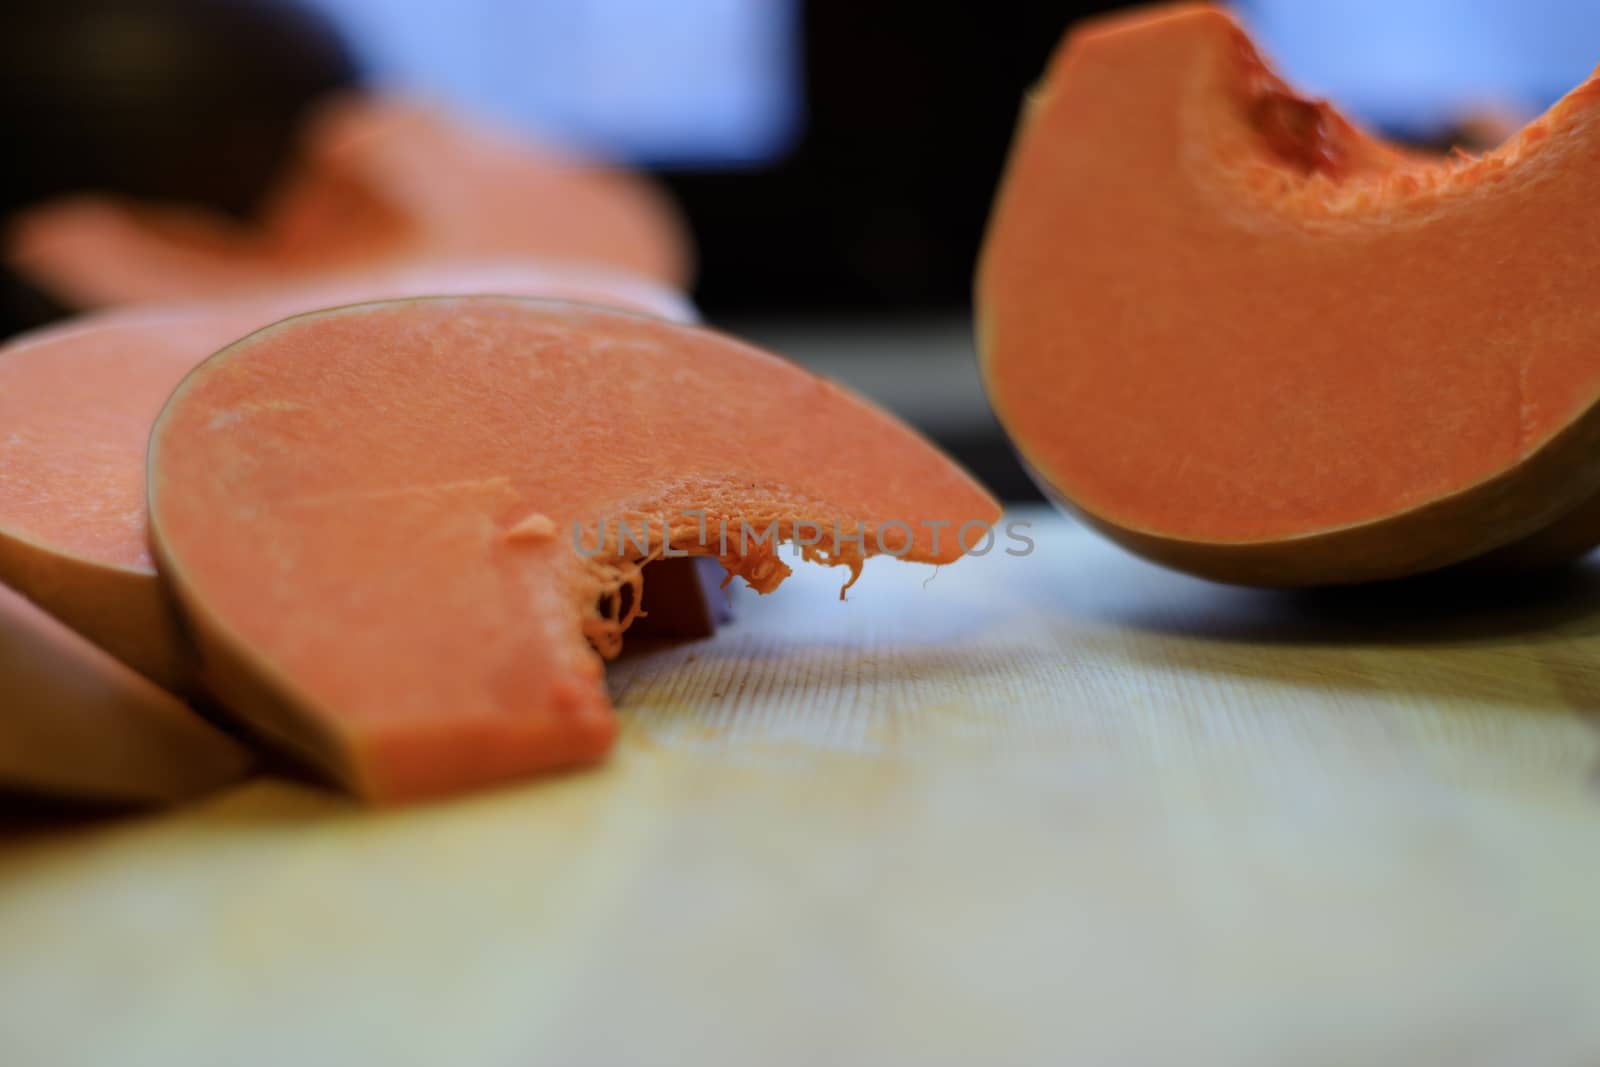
{"x": 174, "y": 101}
{"x": 376, "y": 180}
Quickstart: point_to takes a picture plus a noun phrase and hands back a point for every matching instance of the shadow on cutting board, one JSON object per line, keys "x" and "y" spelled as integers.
{"x": 1434, "y": 609}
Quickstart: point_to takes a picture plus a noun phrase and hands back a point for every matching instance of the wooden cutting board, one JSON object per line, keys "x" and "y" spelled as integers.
{"x": 1064, "y": 808}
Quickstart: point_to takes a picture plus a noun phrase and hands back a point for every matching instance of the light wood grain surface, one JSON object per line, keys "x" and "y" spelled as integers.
{"x": 1060, "y": 809}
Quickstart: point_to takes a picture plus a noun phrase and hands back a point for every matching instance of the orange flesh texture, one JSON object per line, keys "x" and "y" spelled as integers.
{"x": 352, "y": 505}
{"x": 1213, "y": 312}
{"x": 77, "y": 402}
{"x": 74, "y": 722}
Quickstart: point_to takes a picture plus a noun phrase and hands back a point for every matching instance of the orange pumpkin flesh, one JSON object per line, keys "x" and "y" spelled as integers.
{"x": 371, "y": 518}
{"x": 77, "y": 403}
{"x": 379, "y": 182}
{"x": 1245, "y": 339}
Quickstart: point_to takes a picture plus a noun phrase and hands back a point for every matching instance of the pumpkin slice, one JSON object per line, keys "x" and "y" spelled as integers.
{"x": 379, "y": 181}
{"x": 76, "y": 723}
{"x": 393, "y": 528}
{"x": 76, "y": 406}
{"x": 1245, "y": 339}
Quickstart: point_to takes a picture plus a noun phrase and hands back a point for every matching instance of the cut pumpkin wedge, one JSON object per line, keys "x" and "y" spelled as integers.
{"x": 394, "y": 528}
{"x": 1244, "y": 338}
{"x": 378, "y": 181}
{"x": 77, "y": 402}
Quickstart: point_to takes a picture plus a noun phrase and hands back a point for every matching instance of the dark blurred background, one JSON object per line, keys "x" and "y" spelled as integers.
{"x": 835, "y": 158}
